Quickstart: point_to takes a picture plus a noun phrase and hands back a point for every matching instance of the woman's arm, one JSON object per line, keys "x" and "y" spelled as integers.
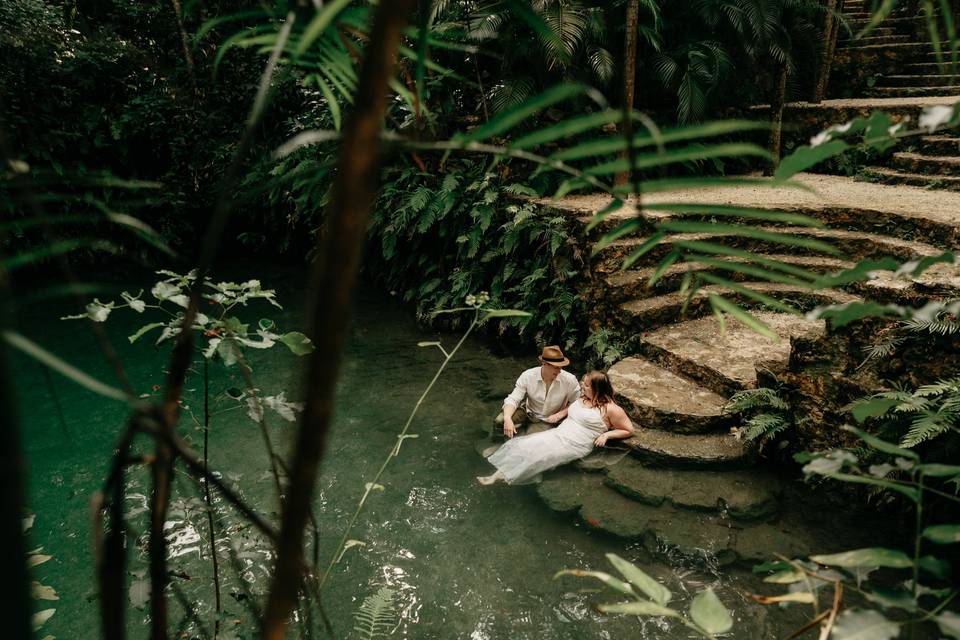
{"x": 618, "y": 423}
{"x": 554, "y": 418}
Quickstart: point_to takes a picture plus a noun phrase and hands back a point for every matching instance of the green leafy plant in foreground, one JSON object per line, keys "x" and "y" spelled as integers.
{"x": 929, "y": 411}
{"x": 915, "y": 587}
{"x": 707, "y": 616}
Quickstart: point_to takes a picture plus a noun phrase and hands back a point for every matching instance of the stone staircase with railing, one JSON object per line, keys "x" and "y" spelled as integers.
{"x": 685, "y": 482}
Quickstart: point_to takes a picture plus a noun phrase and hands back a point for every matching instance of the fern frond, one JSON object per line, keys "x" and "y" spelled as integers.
{"x": 376, "y": 615}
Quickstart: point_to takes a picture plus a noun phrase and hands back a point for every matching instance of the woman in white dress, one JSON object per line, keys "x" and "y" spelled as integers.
{"x": 590, "y": 421}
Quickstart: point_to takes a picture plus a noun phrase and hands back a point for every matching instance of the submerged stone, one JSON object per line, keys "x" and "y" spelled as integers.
{"x": 745, "y": 495}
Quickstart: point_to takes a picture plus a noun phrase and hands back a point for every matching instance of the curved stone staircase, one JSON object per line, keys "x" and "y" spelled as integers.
{"x": 685, "y": 481}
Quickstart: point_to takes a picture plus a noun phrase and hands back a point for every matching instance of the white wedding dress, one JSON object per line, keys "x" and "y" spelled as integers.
{"x": 522, "y": 459}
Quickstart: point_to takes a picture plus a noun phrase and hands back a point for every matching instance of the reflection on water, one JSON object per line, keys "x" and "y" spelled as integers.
{"x": 464, "y": 561}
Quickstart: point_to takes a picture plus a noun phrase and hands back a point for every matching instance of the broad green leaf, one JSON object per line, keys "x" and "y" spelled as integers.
{"x": 891, "y": 598}
{"x": 879, "y": 14}
{"x": 642, "y": 250}
{"x": 56, "y": 248}
{"x": 867, "y": 557}
{"x": 949, "y": 623}
{"x": 638, "y": 609}
{"x": 599, "y": 216}
{"x": 719, "y": 249}
{"x": 624, "y": 228}
{"x": 709, "y": 614}
{"x": 298, "y": 343}
{"x": 504, "y": 313}
{"x": 740, "y": 267}
{"x": 872, "y": 407}
{"x": 788, "y": 576}
{"x": 693, "y": 183}
{"x": 565, "y": 128}
{"x": 862, "y": 624}
{"x": 682, "y": 208}
{"x": 723, "y": 305}
{"x": 144, "y": 329}
{"x": 847, "y": 312}
{"x": 41, "y": 617}
{"x": 323, "y": 19}
{"x": 911, "y": 492}
{"x": 743, "y": 231}
{"x": 749, "y": 293}
{"x": 605, "y": 146}
{"x": 43, "y": 356}
{"x": 512, "y": 117}
{"x": 605, "y": 578}
{"x": 943, "y": 533}
{"x": 806, "y": 157}
{"x": 940, "y": 470}
{"x": 672, "y": 156}
{"x": 42, "y": 591}
{"x": 653, "y": 589}
{"x": 881, "y": 445}
{"x": 936, "y": 567}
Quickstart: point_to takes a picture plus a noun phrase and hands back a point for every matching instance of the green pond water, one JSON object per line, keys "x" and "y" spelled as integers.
{"x": 464, "y": 561}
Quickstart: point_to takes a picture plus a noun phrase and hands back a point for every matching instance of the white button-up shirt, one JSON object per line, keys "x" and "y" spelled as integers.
{"x": 541, "y": 402}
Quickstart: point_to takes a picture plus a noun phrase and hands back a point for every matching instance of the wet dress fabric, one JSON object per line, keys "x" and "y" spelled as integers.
{"x": 522, "y": 459}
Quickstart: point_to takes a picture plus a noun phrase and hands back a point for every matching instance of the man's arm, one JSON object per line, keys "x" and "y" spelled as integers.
{"x": 510, "y": 404}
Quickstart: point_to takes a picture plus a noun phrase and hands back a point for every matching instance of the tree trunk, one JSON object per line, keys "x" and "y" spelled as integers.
{"x": 629, "y": 77}
{"x": 830, "y": 32}
{"x": 334, "y": 273}
{"x": 776, "y": 115}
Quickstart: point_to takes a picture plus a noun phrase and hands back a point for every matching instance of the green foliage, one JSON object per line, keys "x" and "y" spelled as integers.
{"x": 605, "y": 348}
{"x": 706, "y": 617}
{"x": 765, "y": 414}
{"x": 928, "y": 412}
{"x": 376, "y": 615}
{"x": 891, "y": 601}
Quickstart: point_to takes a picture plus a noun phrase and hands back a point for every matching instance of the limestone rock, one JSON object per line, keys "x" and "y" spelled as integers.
{"x": 745, "y": 495}
{"x": 657, "y": 398}
{"x": 679, "y": 450}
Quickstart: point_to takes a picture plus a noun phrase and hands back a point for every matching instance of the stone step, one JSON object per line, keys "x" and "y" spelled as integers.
{"x": 920, "y": 80}
{"x": 935, "y": 166}
{"x": 854, "y": 245}
{"x": 661, "y": 529}
{"x": 838, "y": 202}
{"x": 633, "y": 284}
{"x": 645, "y": 314}
{"x": 658, "y": 398}
{"x": 933, "y": 68}
{"x": 725, "y": 363}
{"x": 681, "y": 450}
{"x": 877, "y": 38}
{"x": 885, "y": 175}
{"x": 897, "y": 21}
{"x": 913, "y": 92}
{"x": 919, "y": 49}
{"x": 939, "y": 145}
{"x": 940, "y": 281}
{"x": 744, "y": 495}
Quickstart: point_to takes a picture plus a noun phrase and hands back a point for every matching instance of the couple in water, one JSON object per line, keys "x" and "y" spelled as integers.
{"x": 547, "y": 395}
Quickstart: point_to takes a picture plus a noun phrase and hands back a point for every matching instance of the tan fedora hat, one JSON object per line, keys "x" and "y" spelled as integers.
{"x": 553, "y": 355}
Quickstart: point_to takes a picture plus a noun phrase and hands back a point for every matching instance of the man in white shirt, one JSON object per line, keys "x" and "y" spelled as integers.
{"x": 540, "y": 393}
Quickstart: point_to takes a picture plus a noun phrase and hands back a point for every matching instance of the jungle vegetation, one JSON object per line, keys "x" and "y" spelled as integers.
{"x": 418, "y": 132}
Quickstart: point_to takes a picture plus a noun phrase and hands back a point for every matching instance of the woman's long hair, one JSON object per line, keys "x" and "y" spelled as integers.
{"x": 602, "y": 389}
